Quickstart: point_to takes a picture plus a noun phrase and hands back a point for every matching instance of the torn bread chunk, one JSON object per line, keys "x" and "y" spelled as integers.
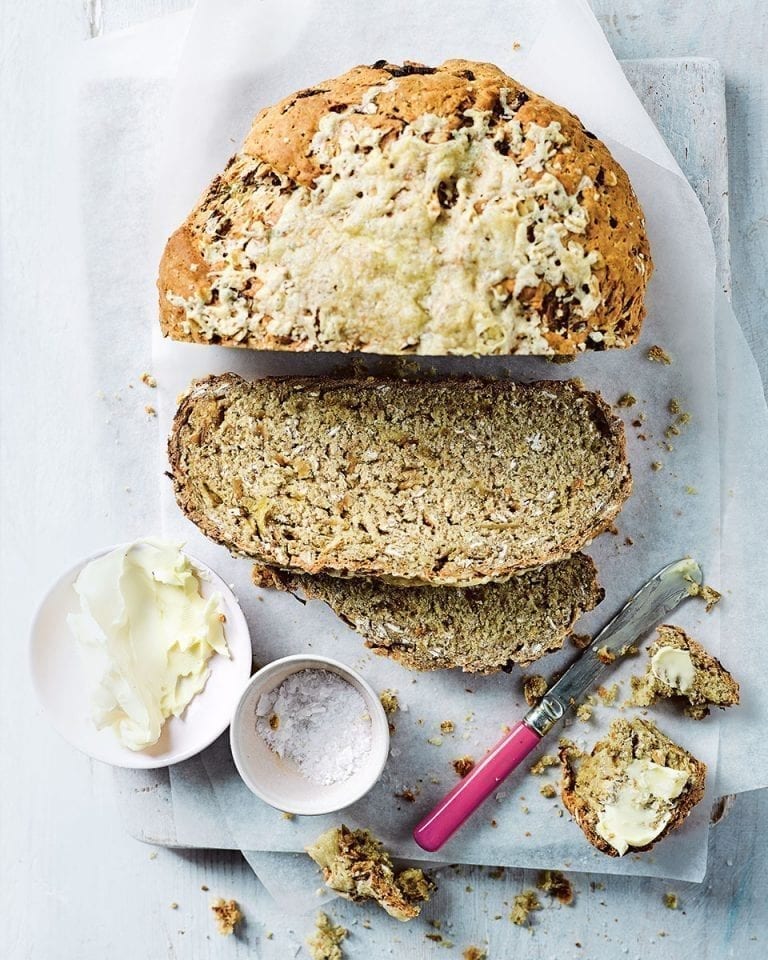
{"x": 680, "y": 667}
{"x": 479, "y": 629}
{"x": 355, "y": 865}
{"x": 633, "y": 789}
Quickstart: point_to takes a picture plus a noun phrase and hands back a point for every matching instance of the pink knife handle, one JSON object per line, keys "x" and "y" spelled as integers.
{"x": 477, "y": 786}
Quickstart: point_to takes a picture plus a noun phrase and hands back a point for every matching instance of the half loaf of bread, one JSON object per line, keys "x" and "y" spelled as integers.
{"x": 479, "y": 629}
{"x": 413, "y": 209}
{"x": 446, "y": 483}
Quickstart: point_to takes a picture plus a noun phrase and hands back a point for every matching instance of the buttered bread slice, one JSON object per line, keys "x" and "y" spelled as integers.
{"x": 413, "y": 209}
{"x": 633, "y": 788}
{"x": 452, "y": 482}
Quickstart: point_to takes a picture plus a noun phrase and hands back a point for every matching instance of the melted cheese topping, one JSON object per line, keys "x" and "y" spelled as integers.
{"x": 674, "y": 667}
{"x": 641, "y": 806}
{"x": 433, "y": 241}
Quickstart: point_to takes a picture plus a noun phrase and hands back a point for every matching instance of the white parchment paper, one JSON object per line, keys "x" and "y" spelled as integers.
{"x": 269, "y": 52}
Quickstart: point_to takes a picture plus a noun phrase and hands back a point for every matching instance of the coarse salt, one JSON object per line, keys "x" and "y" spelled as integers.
{"x": 319, "y": 721}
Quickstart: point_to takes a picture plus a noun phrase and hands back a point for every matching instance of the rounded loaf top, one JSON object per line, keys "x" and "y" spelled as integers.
{"x": 413, "y": 209}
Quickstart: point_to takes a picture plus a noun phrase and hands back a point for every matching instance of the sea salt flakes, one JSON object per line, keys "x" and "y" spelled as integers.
{"x": 319, "y": 721}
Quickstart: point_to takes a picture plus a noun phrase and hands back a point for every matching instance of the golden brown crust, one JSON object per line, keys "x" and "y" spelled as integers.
{"x": 585, "y": 814}
{"x": 281, "y": 137}
{"x": 203, "y": 409}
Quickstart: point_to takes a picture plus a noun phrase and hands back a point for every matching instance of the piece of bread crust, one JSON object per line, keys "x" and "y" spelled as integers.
{"x": 479, "y": 629}
{"x": 626, "y": 740}
{"x": 356, "y": 865}
{"x": 453, "y": 482}
{"x": 281, "y": 157}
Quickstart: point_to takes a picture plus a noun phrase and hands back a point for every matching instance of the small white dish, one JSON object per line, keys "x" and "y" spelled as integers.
{"x": 279, "y": 782}
{"x": 60, "y": 683}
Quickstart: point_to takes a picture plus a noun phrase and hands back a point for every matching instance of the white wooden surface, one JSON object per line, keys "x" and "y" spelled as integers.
{"x": 73, "y": 883}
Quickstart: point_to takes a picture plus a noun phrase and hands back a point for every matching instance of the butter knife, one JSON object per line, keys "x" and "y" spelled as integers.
{"x": 643, "y": 611}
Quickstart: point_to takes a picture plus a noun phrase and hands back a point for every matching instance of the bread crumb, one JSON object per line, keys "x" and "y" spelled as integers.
{"x": 608, "y": 694}
{"x": 174, "y": 905}
{"x": 534, "y": 688}
{"x": 326, "y": 942}
{"x": 408, "y": 795}
{"x": 548, "y": 791}
{"x": 205, "y": 887}
{"x": 153, "y": 855}
{"x": 496, "y": 873}
{"x": 148, "y": 379}
{"x": 604, "y": 655}
{"x": 659, "y": 355}
{"x": 439, "y": 939}
{"x": 557, "y": 885}
{"x": 227, "y": 914}
{"x": 708, "y": 594}
{"x": 287, "y": 816}
{"x": 671, "y": 901}
{"x": 462, "y": 765}
{"x": 447, "y": 726}
{"x": 674, "y": 406}
{"x": 435, "y": 741}
{"x": 626, "y": 400}
{"x": 581, "y": 640}
{"x": 541, "y": 765}
{"x": 473, "y": 953}
{"x": 584, "y": 712}
{"x": 657, "y": 465}
{"x": 150, "y": 411}
{"x": 525, "y": 904}
{"x": 389, "y": 701}
{"x": 691, "y": 491}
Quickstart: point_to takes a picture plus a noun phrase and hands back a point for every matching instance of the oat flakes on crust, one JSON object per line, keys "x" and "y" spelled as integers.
{"x": 340, "y": 224}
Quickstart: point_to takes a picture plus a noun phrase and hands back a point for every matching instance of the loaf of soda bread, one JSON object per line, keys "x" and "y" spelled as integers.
{"x": 413, "y": 209}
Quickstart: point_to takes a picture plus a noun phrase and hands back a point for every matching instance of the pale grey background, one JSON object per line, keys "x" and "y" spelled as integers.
{"x": 73, "y": 884}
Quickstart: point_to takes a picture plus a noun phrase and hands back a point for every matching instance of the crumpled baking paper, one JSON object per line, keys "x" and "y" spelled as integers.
{"x": 260, "y": 53}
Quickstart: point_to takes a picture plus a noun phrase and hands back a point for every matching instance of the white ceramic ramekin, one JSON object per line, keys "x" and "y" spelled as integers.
{"x": 279, "y": 782}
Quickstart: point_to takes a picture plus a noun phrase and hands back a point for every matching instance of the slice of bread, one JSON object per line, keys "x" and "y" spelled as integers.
{"x": 594, "y": 786}
{"x": 412, "y": 209}
{"x": 356, "y": 865}
{"x": 699, "y": 678}
{"x": 479, "y": 629}
{"x": 455, "y": 482}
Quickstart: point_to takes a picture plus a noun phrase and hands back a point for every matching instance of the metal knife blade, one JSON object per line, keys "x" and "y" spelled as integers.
{"x": 652, "y": 602}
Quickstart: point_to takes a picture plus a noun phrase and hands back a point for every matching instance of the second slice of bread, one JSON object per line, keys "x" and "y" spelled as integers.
{"x": 480, "y": 629}
{"x": 455, "y": 482}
